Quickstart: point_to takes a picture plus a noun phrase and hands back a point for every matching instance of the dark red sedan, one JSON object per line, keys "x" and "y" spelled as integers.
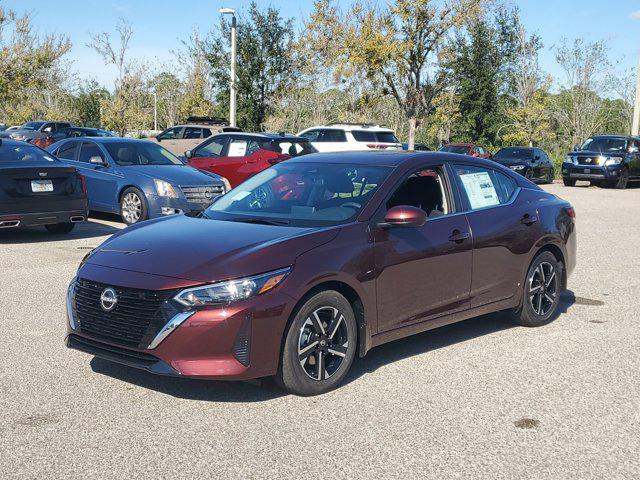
{"x": 316, "y": 260}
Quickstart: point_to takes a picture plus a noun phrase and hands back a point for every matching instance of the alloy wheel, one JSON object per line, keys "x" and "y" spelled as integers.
{"x": 323, "y": 343}
{"x": 131, "y": 208}
{"x": 543, "y": 288}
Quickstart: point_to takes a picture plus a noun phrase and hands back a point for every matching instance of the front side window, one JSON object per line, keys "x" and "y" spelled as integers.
{"x": 140, "y": 153}
{"x": 301, "y": 194}
{"x": 423, "y": 189}
{"x": 484, "y": 187}
{"x": 171, "y": 134}
{"x": 89, "y": 150}
{"x": 332, "y": 135}
{"x": 212, "y": 149}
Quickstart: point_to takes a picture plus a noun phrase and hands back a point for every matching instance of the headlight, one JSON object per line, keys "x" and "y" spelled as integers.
{"x": 227, "y": 185}
{"x": 232, "y": 291}
{"x": 612, "y": 161}
{"x": 567, "y": 159}
{"x": 165, "y": 189}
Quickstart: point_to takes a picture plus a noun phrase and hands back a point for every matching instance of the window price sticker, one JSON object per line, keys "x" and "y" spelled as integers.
{"x": 480, "y": 190}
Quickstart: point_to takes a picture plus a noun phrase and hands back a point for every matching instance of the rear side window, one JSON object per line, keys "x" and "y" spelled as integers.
{"x": 484, "y": 187}
{"x": 68, "y": 151}
{"x": 373, "y": 136}
{"x": 206, "y": 133}
{"x": 332, "y": 135}
{"x": 192, "y": 133}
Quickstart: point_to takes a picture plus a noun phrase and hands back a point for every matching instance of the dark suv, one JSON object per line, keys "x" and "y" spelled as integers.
{"x": 604, "y": 160}
{"x": 532, "y": 163}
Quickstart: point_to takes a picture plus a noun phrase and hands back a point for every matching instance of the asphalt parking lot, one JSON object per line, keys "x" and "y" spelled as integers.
{"x": 479, "y": 399}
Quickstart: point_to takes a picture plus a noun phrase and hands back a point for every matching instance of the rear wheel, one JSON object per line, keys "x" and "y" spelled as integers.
{"x": 550, "y": 176}
{"x": 541, "y": 292}
{"x": 133, "y": 207}
{"x": 568, "y": 182}
{"x": 60, "y": 228}
{"x": 320, "y": 345}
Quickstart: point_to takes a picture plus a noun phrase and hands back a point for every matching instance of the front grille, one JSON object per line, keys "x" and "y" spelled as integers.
{"x": 588, "y": 161}
{"x": 134, "y": 322}
{"x": 202, "y": 194}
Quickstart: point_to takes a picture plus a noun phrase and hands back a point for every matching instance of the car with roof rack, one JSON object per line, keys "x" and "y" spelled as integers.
{"x": 238, "y": 156}
{"x": 604, "y": 160}
{"x": 181, "y": 138}
{"x": 349, "y": 137}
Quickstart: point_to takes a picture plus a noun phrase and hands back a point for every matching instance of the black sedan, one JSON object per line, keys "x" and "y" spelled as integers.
{"x": 37, "y": 189}
{"x": 532, "y": 163}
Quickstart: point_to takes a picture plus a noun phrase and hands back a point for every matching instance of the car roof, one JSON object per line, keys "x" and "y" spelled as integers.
{"x": 270, "y": 136}
{"x": 520, "y": 148}
{"x": 621, "y": 137}
{"x": 13, "y": 143}
{"x": 109, "y": 140}
{"x": 389, "y": 158}
{"x": 352, "y": 126}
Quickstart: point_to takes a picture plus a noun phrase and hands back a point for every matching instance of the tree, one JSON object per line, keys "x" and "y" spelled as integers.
{"x": 28, "y": 63}
{"x": 169, "y": 91}
{"x": 197, "y": 96}
{"x": 579, "y": 108}
{"x": 129, "y": 106}
{"x": 264, "y": 63}
{"x": 397, "y": 48}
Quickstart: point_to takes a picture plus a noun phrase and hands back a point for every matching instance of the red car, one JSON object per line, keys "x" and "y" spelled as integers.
{"x": 311, "y": 263}
{"x": 238, "y": 156}
{"x": 471, "y": 149}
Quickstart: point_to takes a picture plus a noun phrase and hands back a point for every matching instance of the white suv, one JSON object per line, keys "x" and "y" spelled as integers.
{"x": 342, "y": 137}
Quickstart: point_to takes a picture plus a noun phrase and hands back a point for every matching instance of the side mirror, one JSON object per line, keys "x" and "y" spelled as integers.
{"x": 404, "y": 216}
{"x": 97, "y": 161}
{"x": 633, "y": 149}
{"x": 188, "y": 154}
{"x": 159, "y": 138}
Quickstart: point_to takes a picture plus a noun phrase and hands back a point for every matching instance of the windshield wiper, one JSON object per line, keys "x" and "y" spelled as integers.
{"x": 262, "y": 221}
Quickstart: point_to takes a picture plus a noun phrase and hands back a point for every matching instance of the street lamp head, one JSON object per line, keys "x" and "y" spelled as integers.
{"x": 227, "y": 11}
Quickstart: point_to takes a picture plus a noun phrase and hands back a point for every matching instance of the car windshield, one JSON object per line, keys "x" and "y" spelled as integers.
{"x": 602, "y": 144}
{"x": 301, "y": 194}
{"x": 374, "y": 136}
{"x": 23, "y": 153}
{"x": 138, "y": 152}
{"x": 510, "y": 152}
{"x": 32, "y": 125}
{"x": 463, "y": 149}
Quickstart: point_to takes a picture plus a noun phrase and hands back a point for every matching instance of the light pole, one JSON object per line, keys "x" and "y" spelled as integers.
{"x": 155, "y": 111}
{"x": 232, "y": 84}
{"x": 635, "y": 129}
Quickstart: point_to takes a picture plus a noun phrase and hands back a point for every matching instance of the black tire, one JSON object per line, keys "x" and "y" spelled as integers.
{"x": 550, "y": 176}
{"x": 569, "y": 182}
{"x": 133, "y": 206}
{"x": 60, "y": 228}
{"x": 323, "y": 332}
{"x": 595, "y": 183}
{"x": 622, "y": 181}
{"x": 540, "y": 303}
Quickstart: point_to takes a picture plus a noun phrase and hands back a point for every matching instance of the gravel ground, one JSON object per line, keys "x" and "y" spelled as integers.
{"x": 479, "y": 399}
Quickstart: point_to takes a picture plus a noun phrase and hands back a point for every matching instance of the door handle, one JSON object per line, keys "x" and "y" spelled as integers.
{"x": 458, "y": 237}
{"x": 528, "y": 220}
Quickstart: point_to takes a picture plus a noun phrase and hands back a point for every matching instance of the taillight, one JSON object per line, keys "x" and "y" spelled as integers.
{"x": 571, "y": 212}
{"x": 376, "y": 145}
{"x": 83, "y": 181}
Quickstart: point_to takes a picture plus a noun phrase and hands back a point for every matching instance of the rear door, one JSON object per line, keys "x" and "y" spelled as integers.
{"x": 504, "y": 227}
{"x": 332, "y": 140}
{"x": 222, "y": 155}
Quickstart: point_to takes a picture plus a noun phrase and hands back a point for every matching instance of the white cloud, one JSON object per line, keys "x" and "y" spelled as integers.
{"x": 635, "y": 15}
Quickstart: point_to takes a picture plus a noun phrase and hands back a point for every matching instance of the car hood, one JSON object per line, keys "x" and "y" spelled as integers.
{"x": 205, "y": 251}
{"x": 174, "y": 174}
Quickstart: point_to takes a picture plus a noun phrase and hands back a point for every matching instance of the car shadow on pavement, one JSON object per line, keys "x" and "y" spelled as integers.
{"x": 265, "y": 389}
{"x": 86, "y": 229}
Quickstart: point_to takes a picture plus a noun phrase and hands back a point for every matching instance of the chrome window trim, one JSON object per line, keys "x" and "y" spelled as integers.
{"x": 70, "y": 290}
{"x": 169, "y": 327}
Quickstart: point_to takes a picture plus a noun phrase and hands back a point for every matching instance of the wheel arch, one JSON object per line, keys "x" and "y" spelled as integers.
{"x": 557, "y": 252}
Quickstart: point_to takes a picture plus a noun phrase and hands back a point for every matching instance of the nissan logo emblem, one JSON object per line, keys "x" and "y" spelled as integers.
{"x": 208, "y": 194}
{"x": 42, "y": 174}
{"x": 108, "y": 299}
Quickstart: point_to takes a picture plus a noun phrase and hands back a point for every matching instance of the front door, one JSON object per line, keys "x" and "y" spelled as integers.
{"x": 422, "y": 273}
{"x": 102, "y": 179}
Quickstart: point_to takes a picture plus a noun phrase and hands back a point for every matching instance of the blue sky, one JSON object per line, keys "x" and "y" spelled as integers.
{"x": 159, "y": 25}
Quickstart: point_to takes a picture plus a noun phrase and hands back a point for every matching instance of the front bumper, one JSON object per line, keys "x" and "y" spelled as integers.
{"x": 239, "y": 342}
{"x": 571, "y": 171}
{"x": 162, "y": 206}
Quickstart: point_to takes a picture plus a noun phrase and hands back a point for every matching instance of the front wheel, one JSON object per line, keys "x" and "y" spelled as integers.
{"x": 133, "y": 207}
{"x": 60, "y": 228}
{"x": 541, "y": 296}
{"x": 319, "y": 346}
{"x": 568, "y": 182}
{"x": 622, "y": 181}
